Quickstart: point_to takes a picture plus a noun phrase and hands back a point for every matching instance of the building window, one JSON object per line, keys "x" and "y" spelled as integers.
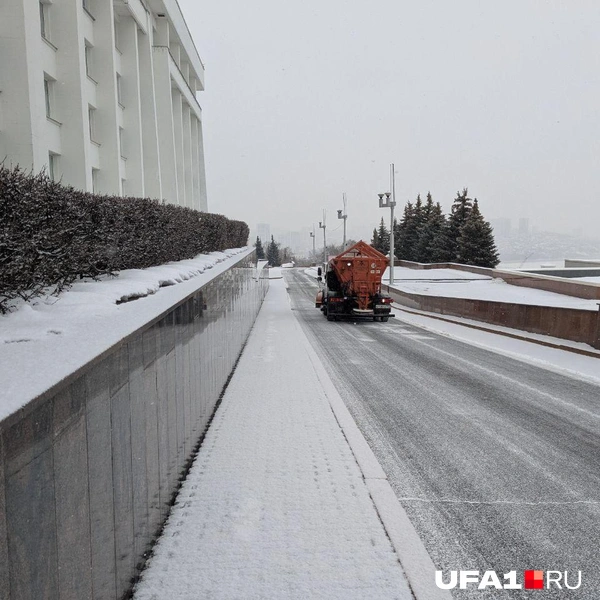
{"x": 49, "y": 96}
{"x": 121, "y": 146}
{"x": 92, "y": 123}
{"x": 44, "y": 20}
{"x": 117, "y": 46}
{"x": 119, "y": 90}
{"x": 53, "y": 166}
{"x": 88, "y": 59}
{"x": 87, "y": 5}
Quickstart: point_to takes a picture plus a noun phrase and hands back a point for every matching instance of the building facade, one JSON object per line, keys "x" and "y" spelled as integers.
{"x": 102, "y": 94}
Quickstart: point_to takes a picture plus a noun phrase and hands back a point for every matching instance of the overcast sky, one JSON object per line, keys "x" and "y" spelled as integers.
{"x": 307, "y": 99}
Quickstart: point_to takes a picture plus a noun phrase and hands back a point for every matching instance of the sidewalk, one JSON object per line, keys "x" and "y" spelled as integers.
{"x": 276, "y": 505}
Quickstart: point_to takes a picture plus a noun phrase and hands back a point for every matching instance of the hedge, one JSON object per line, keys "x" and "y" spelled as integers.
{"x": 51, "y": 234}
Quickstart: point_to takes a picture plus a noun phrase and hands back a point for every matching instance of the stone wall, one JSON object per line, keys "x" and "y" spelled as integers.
{"x": 565, "y": 323}
{"x": 558, "y": 285}
{"x": 88, "y": 472}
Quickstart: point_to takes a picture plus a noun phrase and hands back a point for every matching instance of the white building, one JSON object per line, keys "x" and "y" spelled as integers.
{"x": 102, "y": 94}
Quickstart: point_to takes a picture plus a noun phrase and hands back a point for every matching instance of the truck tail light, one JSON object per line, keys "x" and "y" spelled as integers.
{"x": 335, "y": 299}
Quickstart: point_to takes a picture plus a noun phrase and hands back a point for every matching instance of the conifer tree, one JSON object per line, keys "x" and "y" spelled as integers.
{"x": 432, "y": 241}
{"x": 375, "y": 239}
{"x": 401, "y": 249}
{"x": 382, "y": 238}
{"x": 407, "y": 231}
{"x": 428, "y": 208}
{"x": 260, "y": 251}
{"x": 461, "y": 208}
{"x": 273, "y": 253}
{"x": 476, "y": 245}
{"x": 419, "y": 215}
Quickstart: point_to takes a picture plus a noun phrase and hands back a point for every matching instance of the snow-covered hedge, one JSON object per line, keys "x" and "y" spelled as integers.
{"x": 51, "y": 234}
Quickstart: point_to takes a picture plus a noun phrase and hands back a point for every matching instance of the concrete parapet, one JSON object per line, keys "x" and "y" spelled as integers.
{"x": 577, "y": 263}
{"x": 88, "y": 470}
{"x": 564, "y": 323}
{"x": 558, "y": 285}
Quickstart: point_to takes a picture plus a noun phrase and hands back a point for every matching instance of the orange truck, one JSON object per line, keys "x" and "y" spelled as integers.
{"x": 353, "y": 285}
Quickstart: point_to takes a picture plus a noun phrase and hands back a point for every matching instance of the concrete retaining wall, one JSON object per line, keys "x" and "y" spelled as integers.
{"x": 558, "y": 285}
{"x": 573, "y": 273}
{"x": 87, "y": 473}
{"x": 564, "y": 323}
{"x": 581, "y": 263}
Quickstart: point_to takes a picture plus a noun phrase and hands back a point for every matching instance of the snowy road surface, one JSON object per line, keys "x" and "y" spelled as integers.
{"x": 275, "y": 506}
{"x": 496, "y": 461}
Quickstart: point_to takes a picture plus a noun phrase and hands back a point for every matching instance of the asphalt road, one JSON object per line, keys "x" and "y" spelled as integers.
{"x": 497, "y": 462}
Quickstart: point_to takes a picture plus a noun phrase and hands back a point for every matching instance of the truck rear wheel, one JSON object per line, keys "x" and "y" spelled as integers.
{"x": 330, "y": 318}
{"x": 385, "y": 319}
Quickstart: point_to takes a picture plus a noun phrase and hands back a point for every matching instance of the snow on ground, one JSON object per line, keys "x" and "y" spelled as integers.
{"x": 489, "y": 289}
{"x": 47, "y": 339}
{"x": 312, "y": 272}
{"x": 588, "y": 279}
{"x": 563, "y": 361}
{"x": 275, "y": 506}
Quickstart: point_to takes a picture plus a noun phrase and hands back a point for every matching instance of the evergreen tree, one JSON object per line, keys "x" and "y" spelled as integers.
{"x": 432, "y": 241}
{"x": 381, "y": 237}
{"x": 375, "y": 240}
{"x": 461, "y": 209}
{"x": 406, "y": 232}
{"x": 419, "y": 215}
{"x": 428, "y": 208}
{"x": 273, "y": 253}
{"x": 260, "y": 251}
{"x": 476, "y": 245}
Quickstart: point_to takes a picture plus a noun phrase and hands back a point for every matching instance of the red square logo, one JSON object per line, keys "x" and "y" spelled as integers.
{"x": 534, "y": 580}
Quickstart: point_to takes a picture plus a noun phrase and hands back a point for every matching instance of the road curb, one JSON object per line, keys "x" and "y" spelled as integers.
{"x": 414, "y": 558}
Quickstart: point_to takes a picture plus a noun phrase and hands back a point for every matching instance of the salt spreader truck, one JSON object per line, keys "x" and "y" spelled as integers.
{"x": 353, "y": 285}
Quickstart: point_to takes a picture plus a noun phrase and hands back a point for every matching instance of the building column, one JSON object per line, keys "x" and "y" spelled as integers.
{"x": 104, "y": 72}
{"x": 195, "y": 164}
{"x": 69, "y": 94}
{"x": 166, "y": 125}
{"x": 151, "y": 160}
{"x": 179, "y": 150}
{"x": 202, "y": 197}
{"x": 132, "y": 113}
{"x": 187, "y": 154}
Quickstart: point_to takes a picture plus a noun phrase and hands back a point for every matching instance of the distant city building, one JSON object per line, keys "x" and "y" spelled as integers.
{"x": 263, "y": 231}
{"x": 501, "y": 226}
{"x": 102, "y": 94}
{"x": 523, "y": 226}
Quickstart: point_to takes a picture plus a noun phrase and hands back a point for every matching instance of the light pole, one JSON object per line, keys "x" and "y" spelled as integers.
{"x": 323, "y": 226}
{"x": 342, "y": 214}
{"x": 391, "y": 204}
{"x": 312, "y": 235}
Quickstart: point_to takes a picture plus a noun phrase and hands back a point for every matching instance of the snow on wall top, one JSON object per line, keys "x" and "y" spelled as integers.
{"x": 45, "y": 341}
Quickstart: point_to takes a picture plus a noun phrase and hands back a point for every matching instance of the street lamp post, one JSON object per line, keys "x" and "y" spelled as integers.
{"x": 312, "y": 235}
{"x": 323, "y": 226}
{"x": 391, "y": 204}
{"x": 342, "y": 214}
